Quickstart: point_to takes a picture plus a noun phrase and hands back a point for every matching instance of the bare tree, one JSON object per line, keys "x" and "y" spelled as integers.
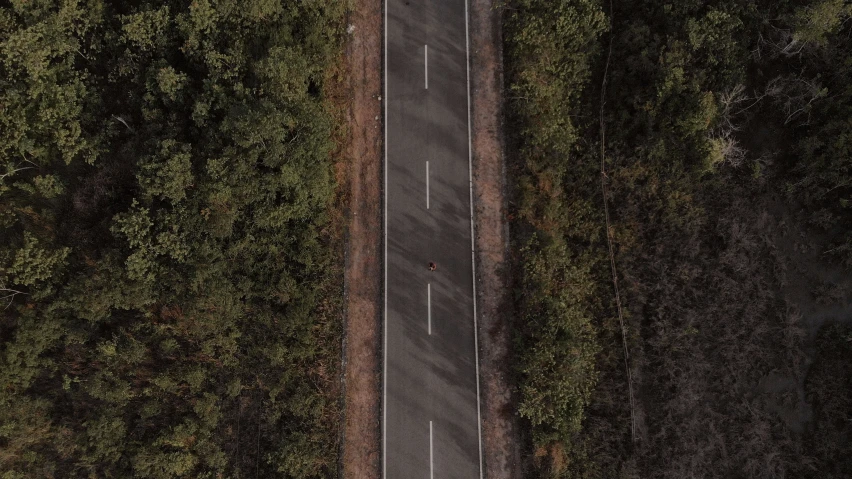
{"x": 781, "y": 42}
{"x": 796, "y": 94}
{"x": 729, "y": 149}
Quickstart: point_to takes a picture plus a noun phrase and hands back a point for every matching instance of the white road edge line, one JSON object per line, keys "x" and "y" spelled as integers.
{"x": 426, "y": 58}
{"x": 427, "y": 184}
{"x": 385, "y": 331}
{"x": 431, "y": 466}
{"x": 472, "y": 236}
{"x": 429, "y": 305}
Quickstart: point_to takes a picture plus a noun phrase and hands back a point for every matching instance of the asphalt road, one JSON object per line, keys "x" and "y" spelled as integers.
{"x": 431, "y": 423}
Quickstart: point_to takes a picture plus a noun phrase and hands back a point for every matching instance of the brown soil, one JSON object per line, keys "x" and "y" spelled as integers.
{"x": 499, "y": 412}
{"x": 363, "y": 276}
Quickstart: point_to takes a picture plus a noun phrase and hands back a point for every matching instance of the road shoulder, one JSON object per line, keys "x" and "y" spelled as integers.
{"x": 501, "y": 453}
{"x": 363, "y": 274}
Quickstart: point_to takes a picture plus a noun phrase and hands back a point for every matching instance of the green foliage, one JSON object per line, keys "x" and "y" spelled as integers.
{"x": 42, "y": 92}
{"x": 146, "y": 30}
{"x": 558, "y": 368}
{"x": 166, "y": 182}
{"x": 550, "y": 47}
{"x": 816, "y": 23}
{"x": 32, "y": 263}
{"x": 169, "y": 173}
{"x": 49, "y": 186}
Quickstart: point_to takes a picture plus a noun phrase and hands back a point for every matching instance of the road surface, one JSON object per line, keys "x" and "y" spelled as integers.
{"x": 431, "y": 426}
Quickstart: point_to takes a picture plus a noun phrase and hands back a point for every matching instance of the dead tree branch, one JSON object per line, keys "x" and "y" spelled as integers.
{"x": 9, "y": 294}
{"x": 13, "y": 171}
{"x": 124, "y": 122}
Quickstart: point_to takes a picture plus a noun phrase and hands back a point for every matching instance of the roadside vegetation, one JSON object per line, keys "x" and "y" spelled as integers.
{"x": 728, "y": 157}
{"x": 171, "y": 286}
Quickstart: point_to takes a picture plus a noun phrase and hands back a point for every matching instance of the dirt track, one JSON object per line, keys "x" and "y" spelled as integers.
{"x": 363, "y": 276}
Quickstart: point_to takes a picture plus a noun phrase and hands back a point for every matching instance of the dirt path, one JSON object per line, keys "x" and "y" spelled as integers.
{"x": 499, "y": 420}
{"x": 363, "y": 275}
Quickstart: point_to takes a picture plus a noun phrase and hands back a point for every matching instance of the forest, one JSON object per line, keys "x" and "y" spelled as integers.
{"x": 681, "y": 195}
{"x": 170, "y": 273}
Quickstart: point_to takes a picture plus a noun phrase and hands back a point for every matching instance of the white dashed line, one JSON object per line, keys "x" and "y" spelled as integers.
{"x": 431, "y": 466}
{"x": 429, "y": 306}
{"x": 426, "y": 61}
{"x": 427, "y": 184}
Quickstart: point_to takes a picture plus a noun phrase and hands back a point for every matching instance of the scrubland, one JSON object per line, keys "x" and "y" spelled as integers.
{"x": 726, "y": 139}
